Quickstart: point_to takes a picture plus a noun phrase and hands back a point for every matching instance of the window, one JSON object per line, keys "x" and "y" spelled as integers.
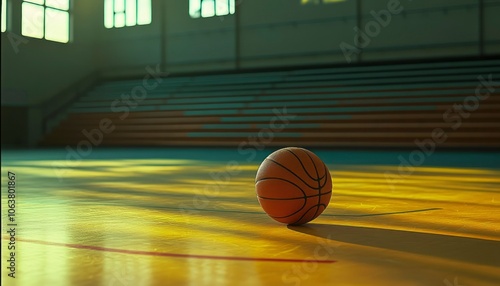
{"x": 121, "y": 13}
{"x": 210, "y": 8}
{"x": 4, "y": 15}
{"x": 46, "y": 19}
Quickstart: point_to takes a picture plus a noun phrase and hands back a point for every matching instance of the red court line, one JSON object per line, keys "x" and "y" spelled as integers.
{"x": 176, "y": 255}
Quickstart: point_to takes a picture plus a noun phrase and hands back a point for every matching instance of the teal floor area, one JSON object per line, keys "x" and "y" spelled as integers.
{"x": 251, "y": 154}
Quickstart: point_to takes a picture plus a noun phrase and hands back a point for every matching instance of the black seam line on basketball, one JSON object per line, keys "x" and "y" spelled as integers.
{"x": 276, "y": 178}
{"x": 319, "y": 184}
{"x": 292, "y": 183}
{"x": 298, "y": 211}
{"x": 317, "y": 207}
{"x": 291, "y": 173}
{"x": 285, "y": 180}
{"x": 316, "y": 167}
{"x": 303, "y": 167}
{"x": 294, "y": 213}
{"x": 300, "y": 161}
{"x": 317, "y": 173}
{"x": 296, "y": 198}
{"x": 325, "y": 170}
{"x": 303, "y": 205}
{"x": 324, "y": 177}
{"x": 286, "y": 199}
{"x": 301, "y": 217}
{"x": 322, "y": 186}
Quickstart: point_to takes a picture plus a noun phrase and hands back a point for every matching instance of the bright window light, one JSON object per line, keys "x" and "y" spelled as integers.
{"x": 144, "y": 12}
{"x": 56, "y": 25}
{"x": 58, "y": 4}
{"x": 121, "y": 13}
{"x": 32, "y": 20}
{"x": 211, "y": 8}
{"x": 46, "y": 19}
{"x": 4, "y": 15}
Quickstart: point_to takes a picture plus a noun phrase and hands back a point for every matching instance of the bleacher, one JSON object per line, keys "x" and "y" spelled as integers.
{"x": 360, "y": 106}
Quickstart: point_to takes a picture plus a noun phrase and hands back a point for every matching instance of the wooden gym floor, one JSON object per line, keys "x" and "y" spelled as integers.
{"x": 190, "y": 217}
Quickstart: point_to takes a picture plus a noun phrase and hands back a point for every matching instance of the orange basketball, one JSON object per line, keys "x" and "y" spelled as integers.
{"x": 293, "y": 185}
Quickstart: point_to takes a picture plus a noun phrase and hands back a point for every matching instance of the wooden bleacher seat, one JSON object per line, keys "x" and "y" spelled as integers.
{"x": 371, "y": 106}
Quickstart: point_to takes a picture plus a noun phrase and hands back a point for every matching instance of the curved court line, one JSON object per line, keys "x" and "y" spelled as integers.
{"x": 323, "y": 214}
{"x": 391, "y": 213}
{"x": 176, "y": 255}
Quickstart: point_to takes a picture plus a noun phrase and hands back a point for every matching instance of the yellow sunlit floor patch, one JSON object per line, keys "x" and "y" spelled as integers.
{"x": 196, "y": 221}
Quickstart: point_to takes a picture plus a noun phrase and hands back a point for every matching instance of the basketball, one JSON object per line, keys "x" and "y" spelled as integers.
{"x": 293, "y": 185}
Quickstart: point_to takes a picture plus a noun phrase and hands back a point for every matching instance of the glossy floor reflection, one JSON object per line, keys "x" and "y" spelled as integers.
{"x": 190, "y": 217}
